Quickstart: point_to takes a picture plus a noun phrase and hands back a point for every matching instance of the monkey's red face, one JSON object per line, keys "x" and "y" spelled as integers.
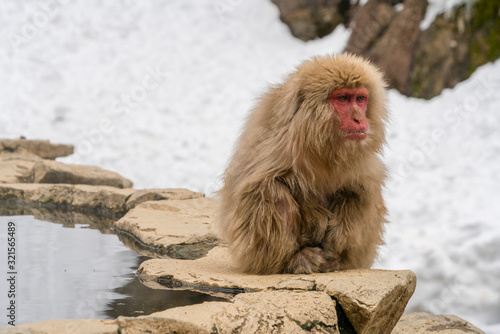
{"x": 350, "y": 105}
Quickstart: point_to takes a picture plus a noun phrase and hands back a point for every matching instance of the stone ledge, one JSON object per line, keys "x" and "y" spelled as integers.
{"x": 263, "y": 312}
{"x": 47, "y": 171}
{"x": 283, "y": 311}
{"x": 85, "y": 326}
{"x": 65, "y": 196}
{"x": 41, "y": 148}
{"x": 169, "y": 224}
{"x": 81, "y": 197}
{"x": 146, "y": 195}
{"x": 25, "y": 161}
{"x": 421, "y": 322}
{"x": 373, "y": 300}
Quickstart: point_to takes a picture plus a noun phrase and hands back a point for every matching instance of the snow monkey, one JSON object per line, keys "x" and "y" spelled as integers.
{"x": 302, "y": 192}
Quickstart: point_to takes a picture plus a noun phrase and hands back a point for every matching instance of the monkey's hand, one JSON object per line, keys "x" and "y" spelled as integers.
{"x": 331, "y": 262}
{"x": 306, "y": 261}
{"x": 336, "y": 238}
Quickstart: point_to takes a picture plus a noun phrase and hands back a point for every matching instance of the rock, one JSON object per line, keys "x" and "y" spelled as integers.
{"x": 46, "y": 171}
{"x": 312, "y": 19}
{"x": 42, "y": 148}
{"x": 441, "y": 54}
{"x": 454, "y": 45}
{"x": 420, "y": 323}
{"x": 394, "y": 50}
{"x": 263, "y": 312}
{"x": 157, "y": 325}
{"x": 369, "y": 22}
{"x": 279, "y": 312}
{"x": 84, "y": 198}
{"x": 24, "y": 161}
{"x": 16, "y": 167}
{"x": 373, "y": 300}
{"x": 423, "y": 63}
{"x": 199, "y": 314}
{"x": 388, "y": 38}
{"x": 373, "y": 306}
{"x": 145, "y": 195}
{"x": 123, "y": 325}
{"x": 93, "y": 326}
{"x": 104, "y": 199}
{"x": 165, "y": 225}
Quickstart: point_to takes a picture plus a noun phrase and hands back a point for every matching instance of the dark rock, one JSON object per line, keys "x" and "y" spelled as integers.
{"x": 388, "y": 38}
{"x": 394, "y": 50}
{"x": 312, "y": 19}
{"x": 451, "y": 49}
{"x": 368, "y": 23}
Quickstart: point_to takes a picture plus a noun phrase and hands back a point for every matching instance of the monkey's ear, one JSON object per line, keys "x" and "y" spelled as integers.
{"x": 287, "y": 100}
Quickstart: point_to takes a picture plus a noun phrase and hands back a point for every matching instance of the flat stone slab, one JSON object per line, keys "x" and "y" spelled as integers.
{"x": 86, "y": 326}
{"x": 22, "y": 166}
{"x": 291, "y": 312}
{"x": 48, "y": 171}
{"x": 366, "y": 296}
{"x": 263, "y": 312}
{"x": 122, "y": 325}
{"x": 146, "y": 195}
{"x": 16, "y": 168}
{"x": 82, "y": 197}
{"x": 42, "y": 148}
{"x": 165, "y": 225}
{"x": 421, "y": 322}
{"x": 67, "y": 196}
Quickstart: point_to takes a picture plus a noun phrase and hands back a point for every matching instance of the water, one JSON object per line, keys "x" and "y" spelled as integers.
{"x": 76, "y": 270}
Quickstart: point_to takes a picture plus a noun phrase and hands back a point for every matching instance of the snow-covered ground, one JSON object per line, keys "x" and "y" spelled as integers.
{"x": 158, "y": 91}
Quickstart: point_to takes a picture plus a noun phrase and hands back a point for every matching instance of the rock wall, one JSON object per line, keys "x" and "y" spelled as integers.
{"x": 389, "y": 38}
{"x": 312, "y": 19}
{"x": 416, "y": 63}
{"x": 451, "y": 49}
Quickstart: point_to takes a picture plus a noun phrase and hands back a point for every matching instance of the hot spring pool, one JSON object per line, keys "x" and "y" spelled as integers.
{"x": 71, "y": 270}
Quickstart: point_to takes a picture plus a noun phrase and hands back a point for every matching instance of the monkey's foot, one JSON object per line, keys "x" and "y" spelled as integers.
{"x": 306, "y": 261}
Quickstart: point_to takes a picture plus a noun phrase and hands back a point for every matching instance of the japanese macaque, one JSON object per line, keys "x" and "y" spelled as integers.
{"x": 302, "y": 192}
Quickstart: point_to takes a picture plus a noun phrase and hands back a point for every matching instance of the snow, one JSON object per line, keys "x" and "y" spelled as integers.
{"x": 443, "y": 198}
{"x": 437, "y": 7}
{"x": 158, "y": 91}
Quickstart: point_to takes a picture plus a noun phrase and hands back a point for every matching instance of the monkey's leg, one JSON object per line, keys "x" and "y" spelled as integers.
{"x": 264, "y": 230}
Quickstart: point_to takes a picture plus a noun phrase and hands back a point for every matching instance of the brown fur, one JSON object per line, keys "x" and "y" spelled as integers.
{"x": 297, "y": 196}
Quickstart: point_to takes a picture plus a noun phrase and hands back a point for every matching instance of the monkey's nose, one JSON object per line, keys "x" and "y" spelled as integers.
{"x": 356, "y": 118}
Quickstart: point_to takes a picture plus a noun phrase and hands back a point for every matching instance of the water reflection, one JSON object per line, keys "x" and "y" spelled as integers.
{"x": 79, "y": 272}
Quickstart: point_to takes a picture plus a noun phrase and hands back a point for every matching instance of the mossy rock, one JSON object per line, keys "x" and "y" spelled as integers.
{"x": 454, "y": 46}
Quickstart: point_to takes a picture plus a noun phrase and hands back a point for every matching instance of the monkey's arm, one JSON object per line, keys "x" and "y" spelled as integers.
{"x": 356, "y": 230}
{"x": 265, "y": 232}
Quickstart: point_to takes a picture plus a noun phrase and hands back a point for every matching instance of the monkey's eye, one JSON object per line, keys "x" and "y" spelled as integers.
{"x": 360, "y": 98}
{"x": 342, "y": 98}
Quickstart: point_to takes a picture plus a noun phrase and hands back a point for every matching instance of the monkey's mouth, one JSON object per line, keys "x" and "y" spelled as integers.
{"x": 357, "y": 135}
